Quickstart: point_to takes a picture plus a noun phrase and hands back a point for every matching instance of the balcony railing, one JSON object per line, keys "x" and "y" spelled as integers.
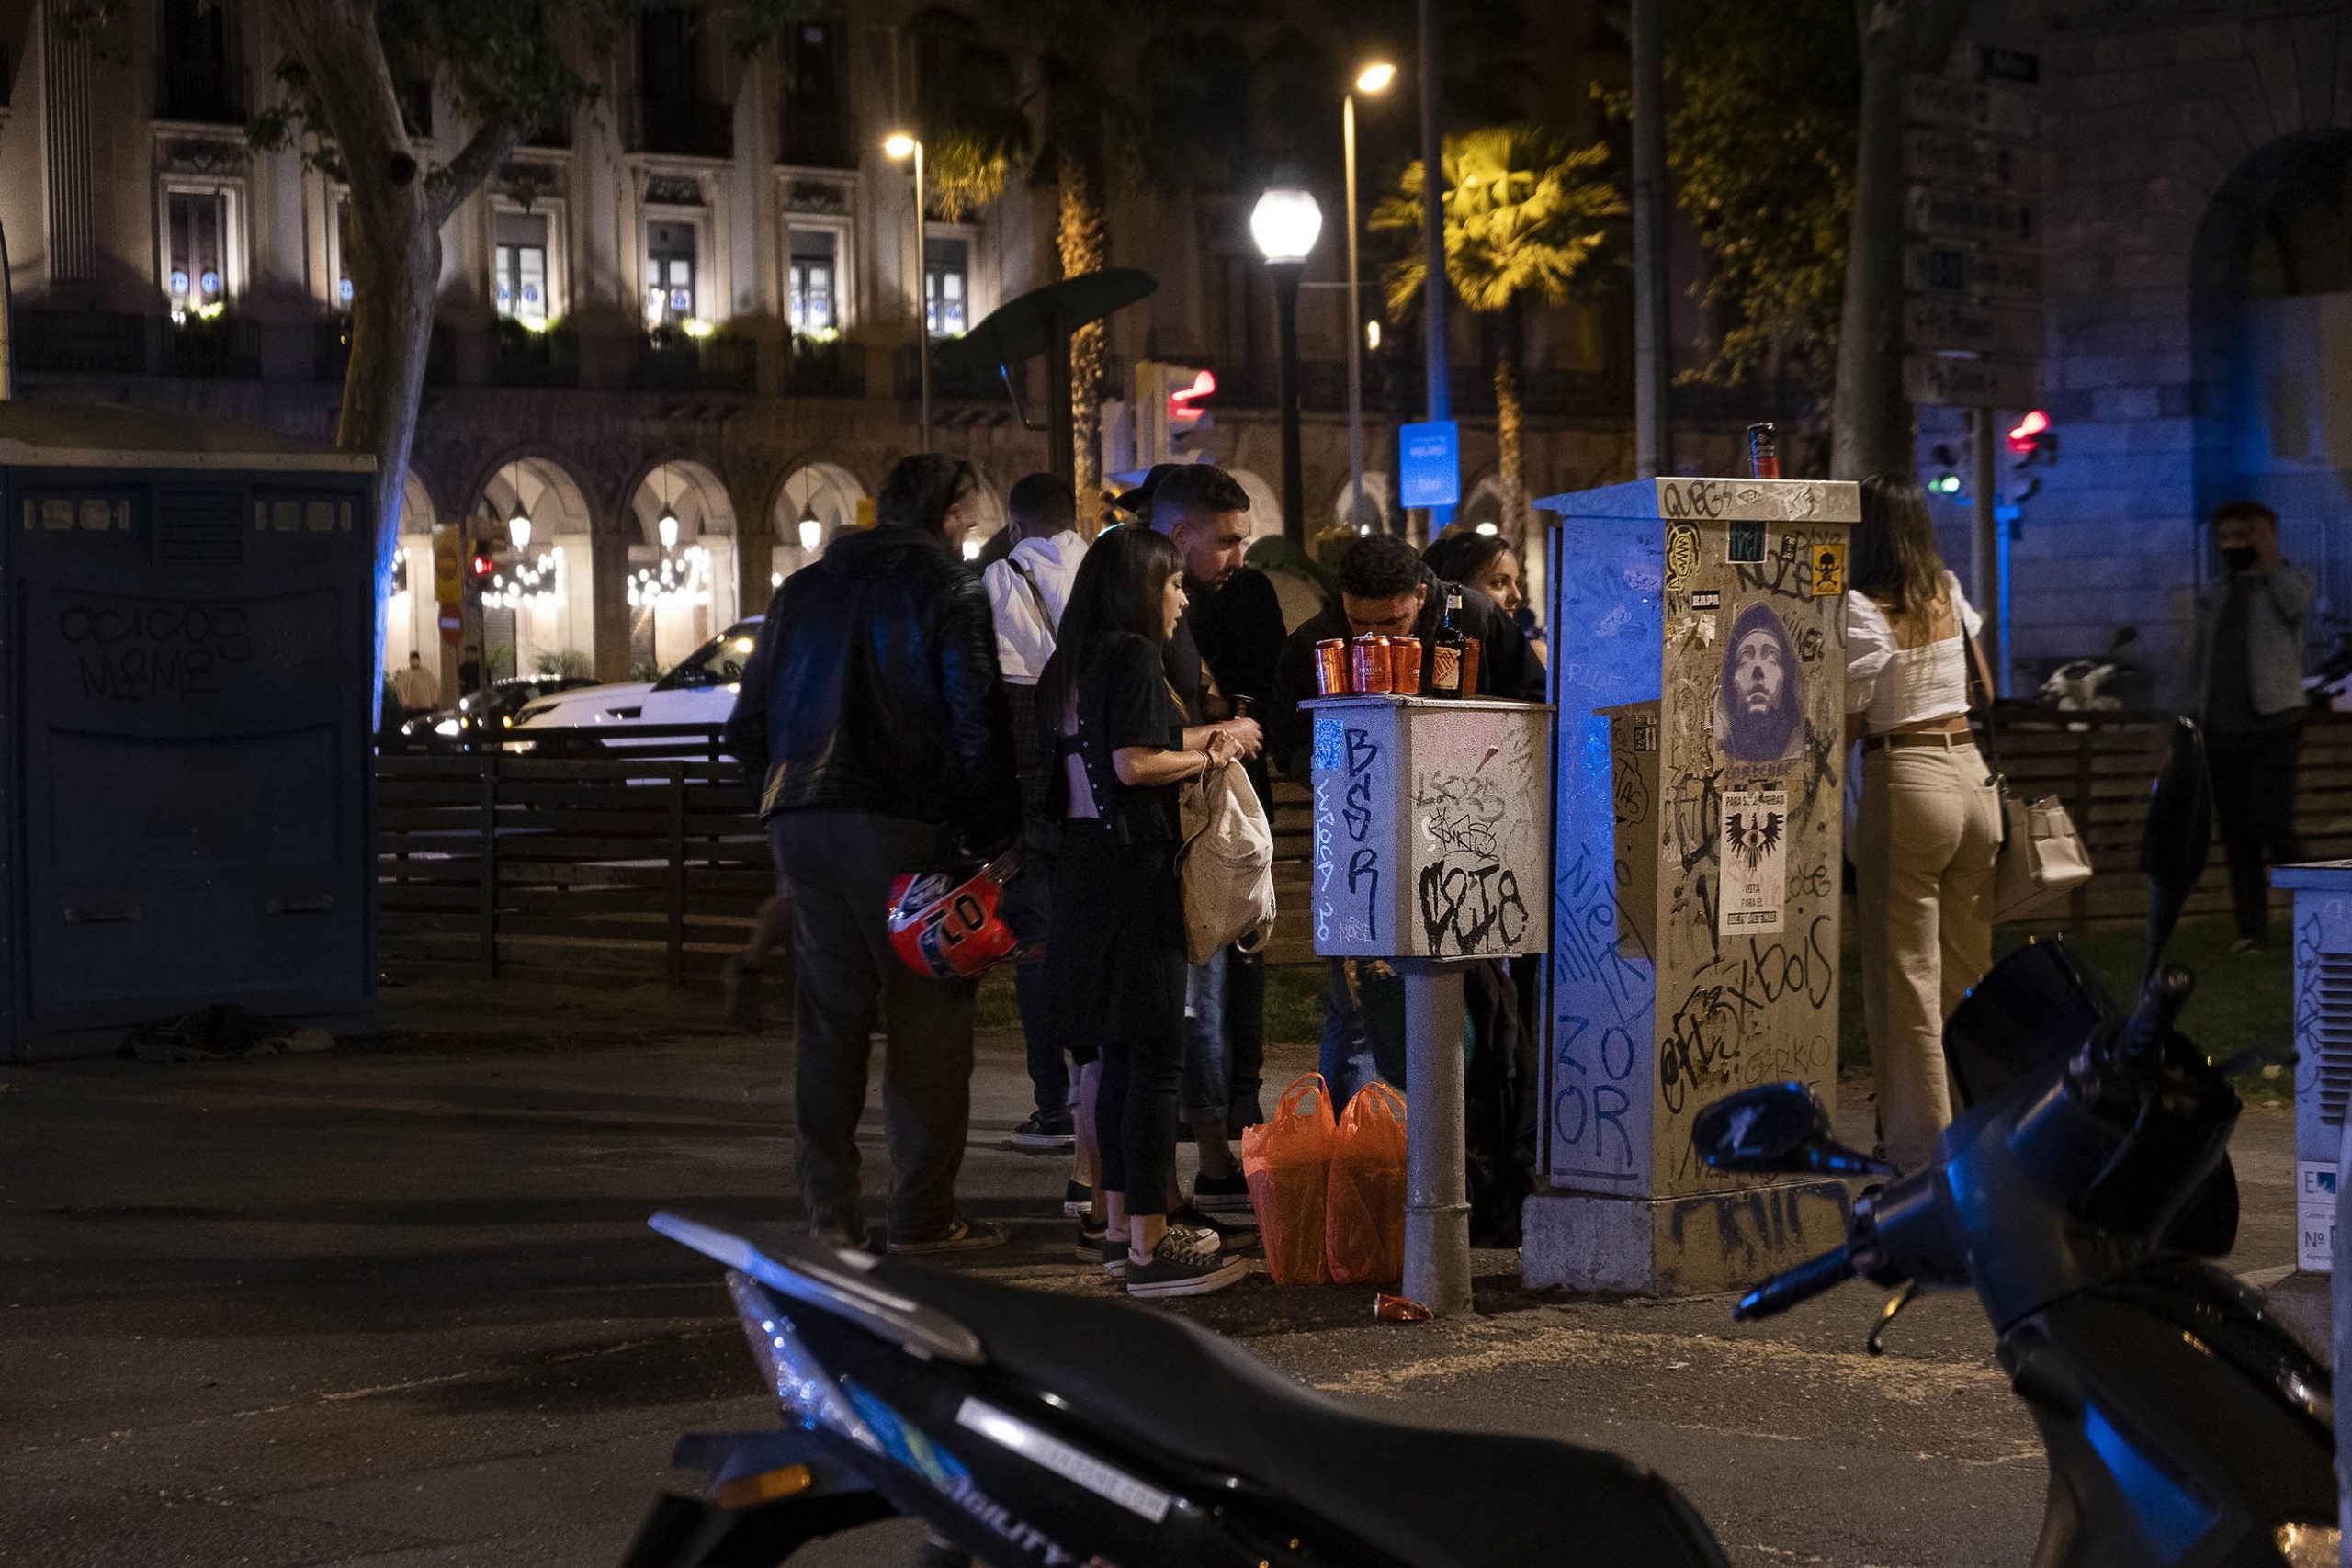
{"x": 685, "y": 128}
{"x": 81, "y": 342}
{"x": 672, "y": 362}
{"x": 520, "y": 357}
{"x": 825, "y": 370}
{"x": 217, "y": 347}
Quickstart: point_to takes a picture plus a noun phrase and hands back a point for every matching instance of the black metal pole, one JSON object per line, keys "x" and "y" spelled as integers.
{"x": 1286, "y": 275}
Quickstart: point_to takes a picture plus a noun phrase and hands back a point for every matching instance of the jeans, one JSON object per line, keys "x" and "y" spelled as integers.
{"x": 1245, "y": 1034}
{"x": 1363, "y": 1028}
{"x": 840, "y": 865}
{"x": 2253, "y": 798}
{"x": 1048, "y": 1072}
{"x": 1208, "y": 1062}
{"x": 1924, "y": 840}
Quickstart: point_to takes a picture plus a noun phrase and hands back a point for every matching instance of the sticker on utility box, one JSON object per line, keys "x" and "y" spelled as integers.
{"x": 2315, "y": 1216}
{"x": 1755, "y": 861}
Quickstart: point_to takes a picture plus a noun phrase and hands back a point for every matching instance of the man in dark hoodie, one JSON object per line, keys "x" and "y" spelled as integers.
{"x": 872, "y": 712}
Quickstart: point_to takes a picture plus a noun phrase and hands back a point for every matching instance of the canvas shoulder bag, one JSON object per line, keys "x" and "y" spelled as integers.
{"x": 1227, "y": 864}
{"x": 2042, "y": 855}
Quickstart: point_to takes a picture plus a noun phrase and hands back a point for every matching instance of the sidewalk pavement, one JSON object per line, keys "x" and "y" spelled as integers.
{"x": 394, "y": 1306}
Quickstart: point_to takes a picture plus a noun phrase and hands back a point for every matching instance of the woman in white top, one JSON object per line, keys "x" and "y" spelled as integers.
{"x": 1930, "y": 824}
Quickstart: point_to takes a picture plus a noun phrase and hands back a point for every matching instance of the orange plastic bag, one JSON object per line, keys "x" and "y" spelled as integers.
{"x": 1288, "y": 1162}
{"x": 1364, "y": 1218}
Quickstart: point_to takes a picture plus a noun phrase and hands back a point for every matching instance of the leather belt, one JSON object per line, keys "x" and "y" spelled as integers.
{"x": 1947, "y": 740}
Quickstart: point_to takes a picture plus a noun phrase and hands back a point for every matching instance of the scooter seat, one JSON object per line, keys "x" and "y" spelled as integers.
{"x": 1426, "y": 1496}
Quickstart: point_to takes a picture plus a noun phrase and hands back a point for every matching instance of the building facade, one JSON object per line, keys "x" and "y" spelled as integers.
{"x": 678, "y": 333}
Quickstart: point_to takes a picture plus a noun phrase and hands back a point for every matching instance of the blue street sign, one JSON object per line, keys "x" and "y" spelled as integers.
{"x": 1429, "y": 464}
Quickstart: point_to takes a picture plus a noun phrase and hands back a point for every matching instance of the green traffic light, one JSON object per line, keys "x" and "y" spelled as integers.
{"x": 1945, "y": 484}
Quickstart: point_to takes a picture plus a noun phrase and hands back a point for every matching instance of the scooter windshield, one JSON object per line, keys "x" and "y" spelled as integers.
{"x": 2035, "y": 1004}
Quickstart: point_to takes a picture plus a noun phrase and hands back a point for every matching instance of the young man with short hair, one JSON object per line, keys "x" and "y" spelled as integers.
{"x": 2247, "y": 692}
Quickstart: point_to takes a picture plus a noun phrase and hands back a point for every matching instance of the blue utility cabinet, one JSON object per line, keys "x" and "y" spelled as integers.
{"x": 189, "y": 673}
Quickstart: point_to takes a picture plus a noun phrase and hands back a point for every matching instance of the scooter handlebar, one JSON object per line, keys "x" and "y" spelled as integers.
{"x": 1803, "y": 1282}
{"x": 2159, "y": 1005}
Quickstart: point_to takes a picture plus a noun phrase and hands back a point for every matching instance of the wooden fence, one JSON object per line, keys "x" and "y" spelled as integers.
{"x": 575, "y": 860}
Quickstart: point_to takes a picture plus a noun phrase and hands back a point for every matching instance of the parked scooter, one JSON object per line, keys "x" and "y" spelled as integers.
{"x": 2080, "y": 685}
{"x": 2329, "y": 687}
{"x": 2075, "y": 1194}
{"x": 1027, "y": 1428}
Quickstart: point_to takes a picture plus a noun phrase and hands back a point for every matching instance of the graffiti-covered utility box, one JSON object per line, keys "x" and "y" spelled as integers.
{"x": 186, "y": 678}
{"x": 1431, "y": 838}
{"x": 1698, "y": 651}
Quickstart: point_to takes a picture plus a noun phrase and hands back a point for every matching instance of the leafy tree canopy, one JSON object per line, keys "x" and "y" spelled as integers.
{"x": 1524, "y": 214}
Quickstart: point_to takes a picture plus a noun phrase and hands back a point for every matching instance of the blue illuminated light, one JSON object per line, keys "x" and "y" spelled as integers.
{"x": 2169, "y": 1518}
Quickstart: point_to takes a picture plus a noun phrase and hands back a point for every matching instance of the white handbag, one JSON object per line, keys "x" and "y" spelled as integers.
{"x": 1225, "y": 864}
{"x": 2041, "y": 854}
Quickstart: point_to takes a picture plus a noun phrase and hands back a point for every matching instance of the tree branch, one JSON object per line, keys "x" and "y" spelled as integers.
{"x": 482, "y": 156}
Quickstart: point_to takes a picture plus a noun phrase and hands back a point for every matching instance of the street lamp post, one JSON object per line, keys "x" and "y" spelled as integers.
{"x": 1373, "y": 78}
{"x": 900, "y": 145}
{"x": 1285, "y": 223}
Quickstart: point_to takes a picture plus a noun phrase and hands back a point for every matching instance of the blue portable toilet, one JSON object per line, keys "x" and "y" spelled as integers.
{"x": 187, "y": 683}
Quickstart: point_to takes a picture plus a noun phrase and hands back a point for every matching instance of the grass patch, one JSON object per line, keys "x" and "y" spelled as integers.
{"x": 2243, "y": 1002}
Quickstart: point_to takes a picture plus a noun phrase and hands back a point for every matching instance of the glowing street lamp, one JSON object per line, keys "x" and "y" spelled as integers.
{"x": 812, "y": 532}
{"x": 1285, "y": 223}
{"x": 667, "y": 527}
{"x": 518, "y": 527}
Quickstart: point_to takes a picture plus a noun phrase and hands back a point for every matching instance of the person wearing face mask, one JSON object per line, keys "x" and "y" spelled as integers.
{"x": 2247, "y": 691}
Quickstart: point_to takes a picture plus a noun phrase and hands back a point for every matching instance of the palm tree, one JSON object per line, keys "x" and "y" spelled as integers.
{"x": 1522, "y": 216}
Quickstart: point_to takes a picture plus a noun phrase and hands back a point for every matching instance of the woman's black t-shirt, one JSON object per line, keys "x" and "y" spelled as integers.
{"x": 1124, "y": 700}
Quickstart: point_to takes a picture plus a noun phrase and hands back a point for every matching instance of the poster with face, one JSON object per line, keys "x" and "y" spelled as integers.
{"x": 1759, "y": 716}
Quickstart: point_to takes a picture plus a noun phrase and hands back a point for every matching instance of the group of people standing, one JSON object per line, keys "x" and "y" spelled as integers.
{"x": 900, "y": 710}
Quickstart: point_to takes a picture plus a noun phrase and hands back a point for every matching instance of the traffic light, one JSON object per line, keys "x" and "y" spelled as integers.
{"x": 1947, "y": 476}
{"x": 1172, "y": 409}
{"x": 2032, "y": 439}
{"x": 483, "y": 560}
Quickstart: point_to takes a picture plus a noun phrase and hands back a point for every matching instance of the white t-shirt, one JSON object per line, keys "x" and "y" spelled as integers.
{"x": 1892, "y": 686}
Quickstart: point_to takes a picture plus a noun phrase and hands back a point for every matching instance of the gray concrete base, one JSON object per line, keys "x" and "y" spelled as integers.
{"x": 1680, "y": 1247}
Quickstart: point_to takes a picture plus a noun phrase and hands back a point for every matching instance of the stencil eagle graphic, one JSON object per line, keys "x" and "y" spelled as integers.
{"x": 1752, "y": 837}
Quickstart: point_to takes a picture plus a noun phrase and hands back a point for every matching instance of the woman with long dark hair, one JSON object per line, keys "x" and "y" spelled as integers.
{"x": 1484, "y": 561}
{"x": 1115, "y": 951}
{"x": 1929, "y": 825}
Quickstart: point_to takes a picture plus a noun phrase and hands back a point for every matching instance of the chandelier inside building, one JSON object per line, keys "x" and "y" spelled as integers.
{"x": 679, "y": 578}
{"x": 537, "y": 580}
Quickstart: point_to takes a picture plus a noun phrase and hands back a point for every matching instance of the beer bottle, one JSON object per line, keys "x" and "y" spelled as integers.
{"x": 1453, "y": 655}
{"x": 1763, "y": 452}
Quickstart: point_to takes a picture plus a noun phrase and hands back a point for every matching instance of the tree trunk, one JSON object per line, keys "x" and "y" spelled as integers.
{"x": 1510, "y": 421}
{"x": 397, "y": 210}
{"x": 1870, "y": 420}
{"x": 1078, "y": 235}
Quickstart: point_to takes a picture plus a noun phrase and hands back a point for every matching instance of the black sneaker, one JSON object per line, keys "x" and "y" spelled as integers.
{"x": 1077, "y": 1198}
{"x": 846, "y": 1234}
{"x": 1190, "y": 1219}
{"x": 1046, "y": 1133}
{"x": 1222, "y": 1194}
{"x": 1090, "y": 1239}
{"x": 1113, "y": 1250}
{"x": 964, "y": 1236}
{"x": 1196, "y": 1239}
{"x": 1178, "y": 1269}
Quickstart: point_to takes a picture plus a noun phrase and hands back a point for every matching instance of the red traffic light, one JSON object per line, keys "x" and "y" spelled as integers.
{"x": 2028, "y": 431}
{"x": 1184, "y": 403}
{"x": 483, "y": 561}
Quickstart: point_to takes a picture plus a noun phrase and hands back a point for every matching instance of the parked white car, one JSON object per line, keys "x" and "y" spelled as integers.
{"x": 700, "y": 690}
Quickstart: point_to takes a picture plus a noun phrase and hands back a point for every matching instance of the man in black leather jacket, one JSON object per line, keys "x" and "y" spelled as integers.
{"x": 872, "y": 713}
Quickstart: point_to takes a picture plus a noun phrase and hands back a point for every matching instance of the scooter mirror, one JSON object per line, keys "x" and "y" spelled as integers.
{"x": 1776, "y": 1127}
{"x": 2124, "y": 637}
{"x": 2177, "y": 839}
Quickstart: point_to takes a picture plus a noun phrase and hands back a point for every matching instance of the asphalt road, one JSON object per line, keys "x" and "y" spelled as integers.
{"x": 394, "y": 1306}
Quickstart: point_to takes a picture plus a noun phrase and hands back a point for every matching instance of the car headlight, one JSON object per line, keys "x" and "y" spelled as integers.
{"x": 447, "y": 726}
{"x": 2310, "y": 1546}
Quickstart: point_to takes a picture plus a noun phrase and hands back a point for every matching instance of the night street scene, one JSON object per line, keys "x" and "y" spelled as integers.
{"x": 1091, "y": 783}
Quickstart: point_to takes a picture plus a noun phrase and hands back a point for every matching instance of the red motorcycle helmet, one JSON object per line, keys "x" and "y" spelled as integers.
{"x": 950, "y": 924}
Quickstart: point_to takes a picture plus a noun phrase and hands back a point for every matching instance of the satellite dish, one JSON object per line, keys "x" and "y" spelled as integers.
{"x": 1040, "y": 322}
